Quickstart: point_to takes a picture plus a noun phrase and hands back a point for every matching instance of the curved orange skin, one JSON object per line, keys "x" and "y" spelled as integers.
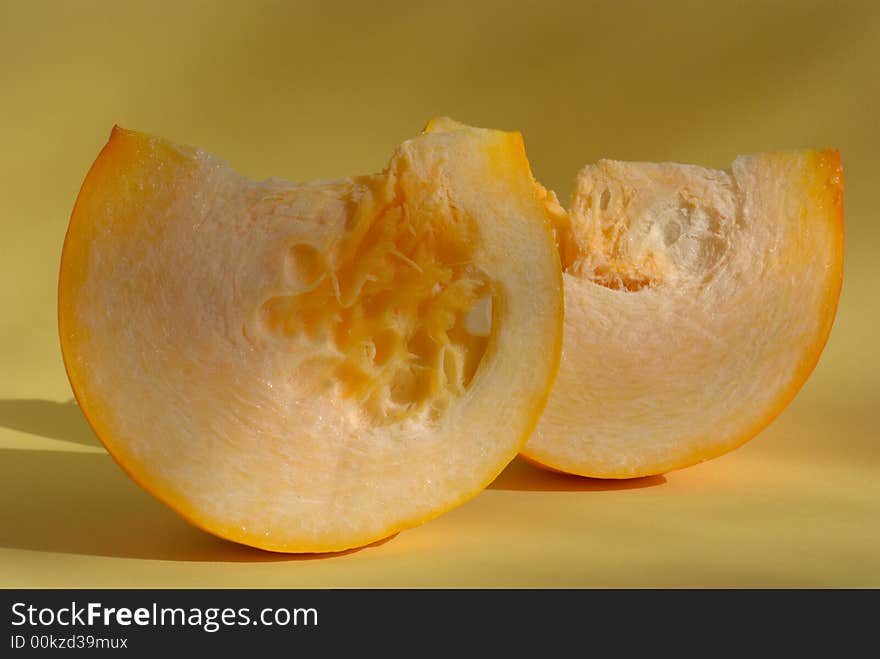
{"x": 117, "y": 154}
{"x": 121, "y": 154}
{"x": 826, "y": 186}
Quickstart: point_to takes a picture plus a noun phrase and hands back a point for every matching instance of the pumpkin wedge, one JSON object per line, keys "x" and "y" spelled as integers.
{"x": 310, "y": 367}
{"x": 697, "y": 304}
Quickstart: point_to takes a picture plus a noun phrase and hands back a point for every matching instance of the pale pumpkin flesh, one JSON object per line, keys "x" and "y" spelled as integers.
{"x": 697, "y": 304}
{"x": 312, "y": 367}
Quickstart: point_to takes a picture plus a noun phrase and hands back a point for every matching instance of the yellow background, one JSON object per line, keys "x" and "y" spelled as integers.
{"x": 324, "y": 89}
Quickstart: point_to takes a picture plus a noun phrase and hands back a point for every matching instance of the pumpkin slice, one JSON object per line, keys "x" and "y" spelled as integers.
{"x": 697, "y": 304}
{"x": 312, "y": 367}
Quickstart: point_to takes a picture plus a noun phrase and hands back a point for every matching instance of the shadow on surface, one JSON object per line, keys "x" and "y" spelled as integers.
{"x": 82, "y": 503}
{"x": 522, "y": 476}
{"x": 47, "y": 418}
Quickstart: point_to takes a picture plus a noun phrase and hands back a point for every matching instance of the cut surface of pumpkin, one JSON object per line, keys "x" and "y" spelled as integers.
{"x": 312, "y": 367}
{"x": 697, "y": 304}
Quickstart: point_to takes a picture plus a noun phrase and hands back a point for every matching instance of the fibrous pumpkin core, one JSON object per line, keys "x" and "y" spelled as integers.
{"x": 397, "y": 319}
{"x": 653, "y": 226}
